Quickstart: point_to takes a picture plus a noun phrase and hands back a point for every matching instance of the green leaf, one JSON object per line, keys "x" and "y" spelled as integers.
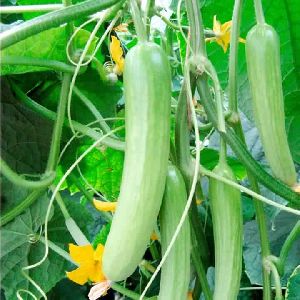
{"x": 49, "y": 44}
{"x": 101, "y": 237}
{"x": 25, "y": 136}
{"x": 210, "y": 157}
{"x": 17, "y": 252}
{"x": 277, "y": 232}
{"x": 102, "y": 168}
{"x": 293, "y": 286}
{"x": 104, "y": 97}
{"x": 248, "y": 208}
{"x": 15, "y": 246}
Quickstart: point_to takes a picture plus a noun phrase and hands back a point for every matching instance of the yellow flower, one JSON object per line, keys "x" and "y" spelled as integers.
{"x": 105, "y": 205}
{"x": 89, "y": 261}
{"x": 116, "y": 53}
{"x": 222, "y": 34}
{"x": 190, "y": 295}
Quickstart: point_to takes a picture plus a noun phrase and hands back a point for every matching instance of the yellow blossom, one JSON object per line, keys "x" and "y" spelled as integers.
{"x": 222, "y": 34}
{"x": 116, "y": 53}
{"x": 105, "y": 205}
{"x": 190, "y": 296}
{"x": 89, "y": 261}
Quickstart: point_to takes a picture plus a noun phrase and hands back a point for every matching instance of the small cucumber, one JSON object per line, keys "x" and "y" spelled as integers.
{"x": 175, "y": 272}
{"x": 225, "y": 203}
{"x": 263, "y": 64}
{"x": 147, "y": 91}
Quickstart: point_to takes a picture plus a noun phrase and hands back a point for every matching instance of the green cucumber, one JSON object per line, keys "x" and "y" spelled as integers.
{"x": 175, "y": 272}
{"x": 263, "y": 64}
{"x": 147, "y": 91}
{"x": 225, "y": 202}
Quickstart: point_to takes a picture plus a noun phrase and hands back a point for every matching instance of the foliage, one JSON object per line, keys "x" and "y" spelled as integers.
{"x": 26, "y": 137}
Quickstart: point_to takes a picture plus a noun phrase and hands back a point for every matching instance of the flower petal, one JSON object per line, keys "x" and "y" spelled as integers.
{"x": 81, "y": 254}
{"x": 95, "y": 272}
{"x": 99, "y": 290}
{"x": 116, "y": 51}
{"x": 98, "y": 252}
{"x": 80, "y": 275}
{"x": 216, "y": 25}
{"x": 226, "y": 26}
{"x": 105, "y": 205}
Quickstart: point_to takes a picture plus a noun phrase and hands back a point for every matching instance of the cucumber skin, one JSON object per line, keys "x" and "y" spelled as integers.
{"x": 226, "y": 209}
{"x": 175, "y": 272}
{"x": 263, "y": 63}
{"x": 147, "y": 91}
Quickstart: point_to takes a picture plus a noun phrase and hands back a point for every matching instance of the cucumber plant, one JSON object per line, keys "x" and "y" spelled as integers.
{"x": 151, "y": 194}
{"x": 177, "y": 266}
{"x": 147, "y": 89}
{"x": 263, "y": 65}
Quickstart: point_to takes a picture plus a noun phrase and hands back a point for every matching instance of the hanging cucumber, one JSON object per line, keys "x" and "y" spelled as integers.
{"x": 225, "y": 202}
{"x": 263, "y": 64}
{"x": 147, "y": 91}
{"x": 175, "y": 272}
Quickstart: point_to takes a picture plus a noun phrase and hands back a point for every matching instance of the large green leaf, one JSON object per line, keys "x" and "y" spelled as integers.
{"x": 293, "y": 286}
{"x": 101, "y": 169}
{"x": 25, "y": 136}
{"x": 17, "y": 252}
{"x": 278, "y": 231}
{"x": 49, "y": 44}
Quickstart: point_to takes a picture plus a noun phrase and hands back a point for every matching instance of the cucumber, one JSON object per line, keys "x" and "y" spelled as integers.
{"x": 175, "y": 272}
{"x": 225, "y": 203}
{"x": 147, "y": 91}
{"x": 263, "y": 64}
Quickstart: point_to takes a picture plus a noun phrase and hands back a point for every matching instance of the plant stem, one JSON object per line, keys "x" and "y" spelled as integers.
{"x": 200, "y": 270}
{"x": 138, "y": 21}
{"x": 52, "y": 19}
{"x": 124, "y": 291}
{"x": 272, "y": 267}
{"x": 29, "y": 8}
{"x": 40, "y": 62}
{"x": 218, "y": 94}
{"x": 43, "y": 111}
{"x": 259, "y": 12}
{"x": 89, "y": 104}
{"x": 61, "y": 205}
{"x": 154, "y": 252}
{"x": 47, "y": 178}
{"x": 233, "y": 55}
{"x": 255, "y": 195}
{"x": 292, "y": 237}
{"x": 57, "y": 130}
{"x": 19, "y": 208}
{"x": 196, "y": 27}
{"x": 207, "y": 33}
{"x": 69, "y": 27}
{"x": 223, "y": 151}
{"x": 57, "y": 250}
